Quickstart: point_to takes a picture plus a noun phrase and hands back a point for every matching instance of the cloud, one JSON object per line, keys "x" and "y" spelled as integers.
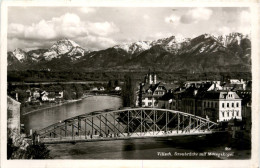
{"x": 68, "y": 25}
{"x": 174, "y": 19}
{"x": 87, "y": 10}
{"x": 96, "y": 42}
{"x": 243, "y": 26}
{"x": 158, "y": 35}
{"x": 102, "y": 28}
{"x": 15, "y": 30}
{"x": 240, "y": 29}
{"x": 26, "y": 44}
{"x": 195, "y": 15}
{"x": 225, "y": 30}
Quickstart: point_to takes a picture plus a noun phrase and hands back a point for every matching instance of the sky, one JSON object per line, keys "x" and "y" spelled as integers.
{"x": 96, "y": 28}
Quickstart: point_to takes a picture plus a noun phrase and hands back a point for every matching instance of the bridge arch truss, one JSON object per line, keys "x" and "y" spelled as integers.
{"x": 124, "y": 124}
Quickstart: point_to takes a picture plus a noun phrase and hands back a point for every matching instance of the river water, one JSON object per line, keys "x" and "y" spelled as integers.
{"x": 193, "y": 147}
{"x": 43, "y": 118}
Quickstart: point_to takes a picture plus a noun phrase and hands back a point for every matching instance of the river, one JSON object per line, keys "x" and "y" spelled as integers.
{"x": 43, "y": 118}
{"x": 193, "y": 147}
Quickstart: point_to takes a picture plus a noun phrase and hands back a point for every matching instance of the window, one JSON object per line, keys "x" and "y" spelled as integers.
{"x": 216, "y": 105}
{"x": 232, "y": 104}
{"x": 227, "y": 105}
{"x": 149, "y": 104}
{"x": 208, "y": 104}
{"x": 233, "y": 114}
{"x": 204, "y": 104}
{"x": 228, "y": 114}
{"x": 223, "y": 105}
{"x": 237, "y": 113}
{"x": 223, "y": 114}
{"x": 237, "y": 104}
{"x": 212, "y": 104}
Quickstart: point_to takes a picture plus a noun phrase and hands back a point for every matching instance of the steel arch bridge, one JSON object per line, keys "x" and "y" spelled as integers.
{"x": 125, "y": 124}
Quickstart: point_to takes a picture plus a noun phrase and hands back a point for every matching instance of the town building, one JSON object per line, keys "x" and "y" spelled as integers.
{"x": 44, "y": 96}
{"x": 118, "y": 88}
{"x": 221, "y": 105}
{"x": 13, "y": 117}
{"x": 51, "y": 95}
{"x": 246, "y": 96}
{"x": 167, "y": 101}
{"x": 150, "y": 91}
{"x": 206, "y": 100}
{"x": 36, "y": 93}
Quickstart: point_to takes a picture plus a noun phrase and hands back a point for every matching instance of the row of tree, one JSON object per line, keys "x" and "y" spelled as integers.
{"x": 128, "y": 91}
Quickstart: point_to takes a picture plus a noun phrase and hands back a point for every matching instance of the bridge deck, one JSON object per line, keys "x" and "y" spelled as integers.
{"x": 139, "y": 135}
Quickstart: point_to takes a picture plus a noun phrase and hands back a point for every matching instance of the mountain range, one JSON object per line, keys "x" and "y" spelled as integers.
{"x": 205, "y": 53}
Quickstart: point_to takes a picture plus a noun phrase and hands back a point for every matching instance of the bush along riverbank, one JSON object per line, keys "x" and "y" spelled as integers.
{"x": 20, "y": 147}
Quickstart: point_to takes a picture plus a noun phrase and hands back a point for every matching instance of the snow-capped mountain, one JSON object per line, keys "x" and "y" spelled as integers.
{"x": 202, "y": 53}
{"x": 59, "y": 49}
{"x": 20, "y": 54}
{"x": 136, "y": 47}
{"x": 171, "y": 44}
{"x": 205, "y": 42}
{"x": 62, "y": 47}
{"x": 232, "y": 38}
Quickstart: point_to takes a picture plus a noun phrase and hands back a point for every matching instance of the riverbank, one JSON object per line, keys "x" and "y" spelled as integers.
{"x": 48, "y": 106}
{"x": 44, "y": 107}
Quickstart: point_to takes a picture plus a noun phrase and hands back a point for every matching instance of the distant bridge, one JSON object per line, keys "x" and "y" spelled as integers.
{"x": 125, "y": 124}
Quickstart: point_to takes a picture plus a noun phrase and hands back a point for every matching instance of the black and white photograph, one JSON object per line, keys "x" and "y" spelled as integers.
{"x": 129, "y": 83}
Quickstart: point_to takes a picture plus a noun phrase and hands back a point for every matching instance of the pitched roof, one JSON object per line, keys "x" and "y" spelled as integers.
{"x": 218, "y": 95}
{"x": 213, "y": 95}
{"x": 167, "y": 96}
